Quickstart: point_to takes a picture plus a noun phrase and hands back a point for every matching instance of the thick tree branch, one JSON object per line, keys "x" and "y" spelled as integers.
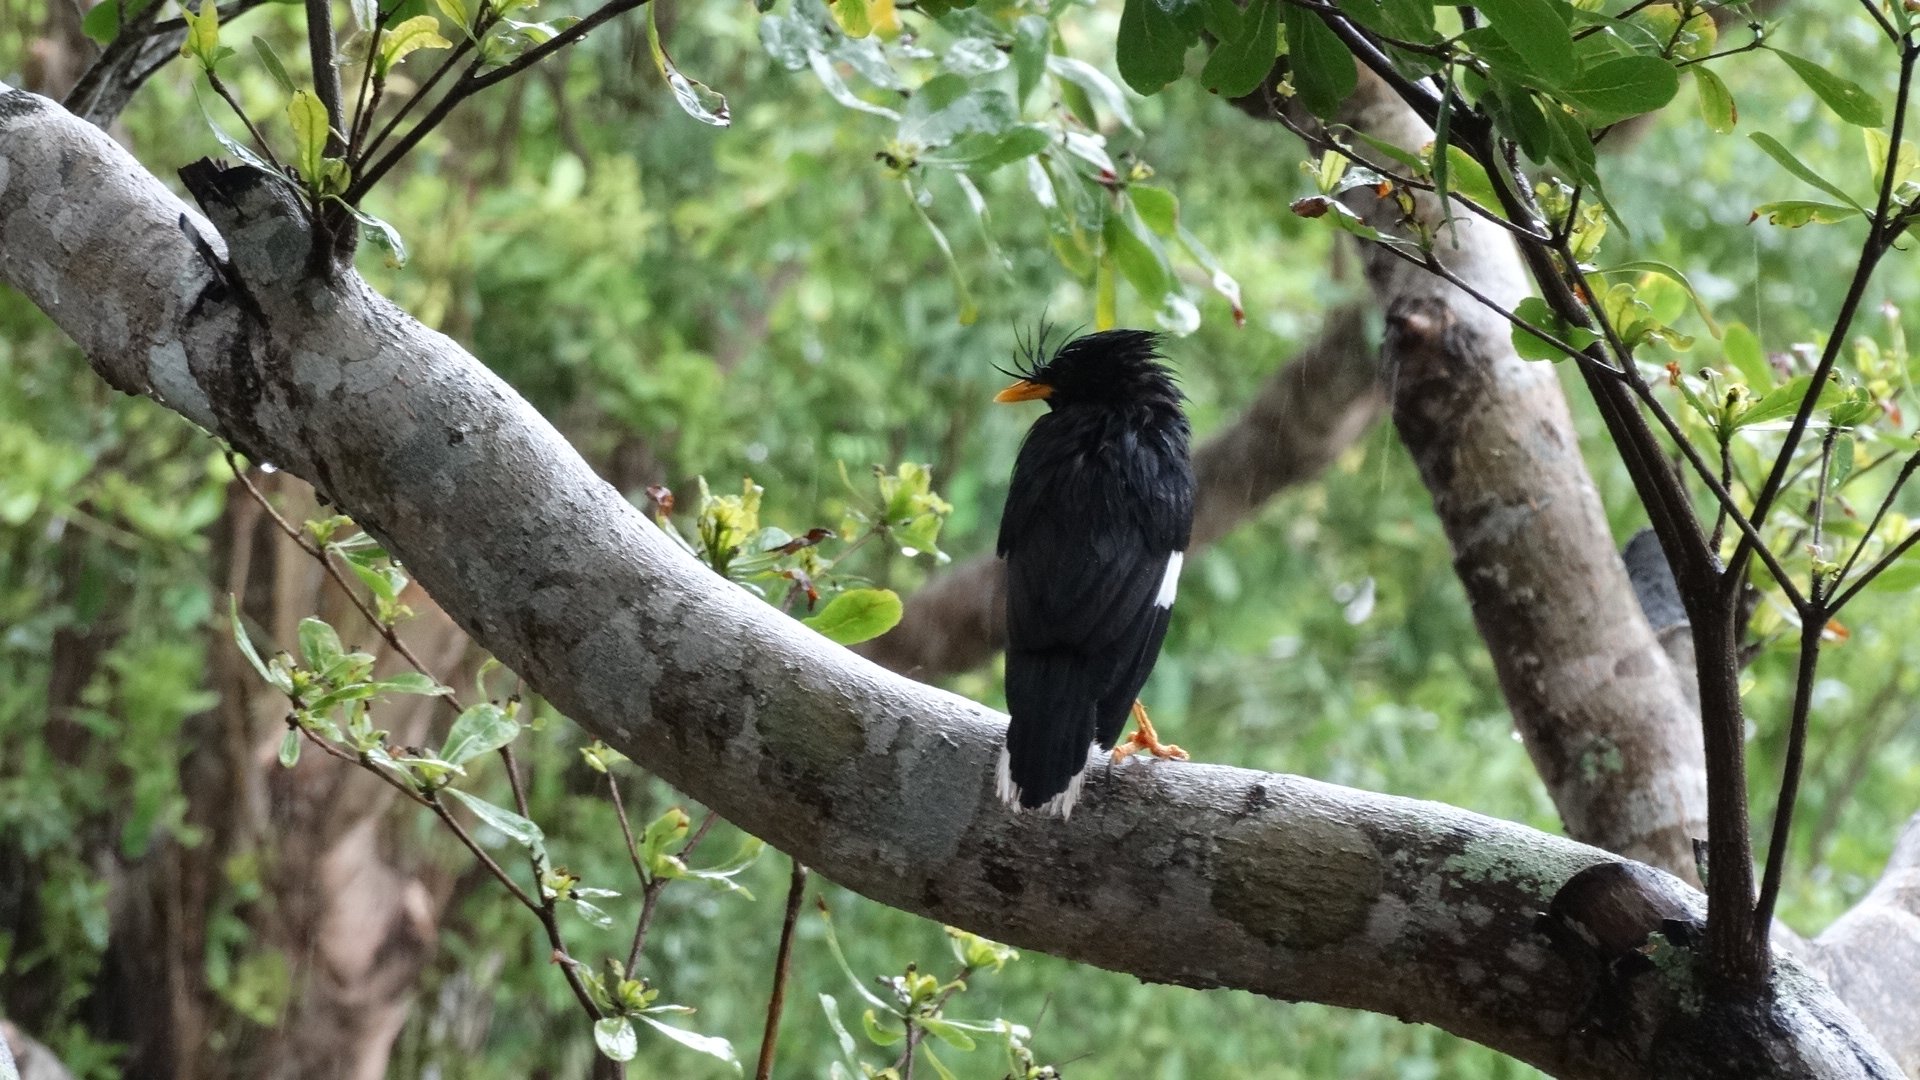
{"x": 1275, "y": 884}
{"x": 1604, "y": 714}
{"x": 1304, "y": 417}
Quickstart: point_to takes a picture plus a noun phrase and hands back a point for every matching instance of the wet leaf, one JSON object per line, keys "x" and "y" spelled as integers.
{"x": 616, "y": 1038}
{"x": 695, "y": 98}
{"x": 481, "y": 729}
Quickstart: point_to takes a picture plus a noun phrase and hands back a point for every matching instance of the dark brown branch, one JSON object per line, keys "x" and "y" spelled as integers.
{"x": 782, "y": 961}
{"x": 472, "y": 82}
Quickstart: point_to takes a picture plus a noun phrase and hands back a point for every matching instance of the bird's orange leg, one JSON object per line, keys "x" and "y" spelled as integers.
{"x": 1143, "y": 738}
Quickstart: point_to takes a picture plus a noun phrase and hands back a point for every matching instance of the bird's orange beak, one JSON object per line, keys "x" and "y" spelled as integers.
{"x": 1024, "y": 390}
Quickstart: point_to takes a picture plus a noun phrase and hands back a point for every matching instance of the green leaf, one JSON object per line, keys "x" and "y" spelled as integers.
{"x": 1153, "y": 39}
{"x": 948, "y": 107}
{"x": 852, "y": 16}
{"x": 1470, "y": 179}
{"x": 593, "y": 914}
{"x": 1841, "y": 465}
{"x": 947, "y": 1033}
{"x": 388, "y": 239}
{"x": 1655, "y": 266}
{"x": 1716, "y": 101}
{"x": 1099, "y": 88}
{"x": 982, "y": 153}
{"x": 1218, "y": 278}
{"x": 290, "y": 742}
{"x": 456, "y": 12}
{"x": 518, "y": 829}
{"x": 858, "y": 615}
{"x": 1157, "y": 207}
{"x": 1627, "y": 86}
{"x": 1408, "y": 20}
{"x": 274, "y": 677}
{"x": 696, "y": 99}
{"x": 840, "y": 958}
{"x": 1323, "y": 70}
{"x": 319, "y": 644}
{"x": 1531, "y": 346}
{"x": 940, "y": 1070}
{"x": 1902, "y": 576}
{"x": 1537, "y": 30}
{"x": 308, "y": 118}
{"x": 102, "y": 24}
{"x": 1241, "y": 62}
{"x": 481, "y": 729}
{"x": 616, "y": 1038}
{"x": 876, "y": 1033}
{"x": 1784, "y": 401}
{"x": 969, "y": 309}
{"x": 1798, "y": 168}
{"x": 411, "y": 682}
{"x": 1846, "y": 98}
{"x": 1138, "y": 255}
{"x": 1879, "y": 148}
{"x": 1794, "y": 213}
{"x": 666, "y": 829}
{"x": 832, "y": 1008}
{"x": 268, "y": 59}
{"x": 1031, "y": 36}
{"x": 711, "y": 1045}
{"x": 1744, "y": 352}
{"x": 412, "y": 35}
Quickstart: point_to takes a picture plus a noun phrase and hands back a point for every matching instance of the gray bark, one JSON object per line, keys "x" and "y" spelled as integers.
{"x": 1200, "y": 875}
{"x": 1603, "y": 712}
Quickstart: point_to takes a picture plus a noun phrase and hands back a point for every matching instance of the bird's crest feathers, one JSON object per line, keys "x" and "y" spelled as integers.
{"x": 1108, "y": 365}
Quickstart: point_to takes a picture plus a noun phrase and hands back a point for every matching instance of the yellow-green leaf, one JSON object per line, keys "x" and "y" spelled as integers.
{"x": 857, "y": 615}
{"x": 455, "y": 11}
{"x": 309, "y": 121}
{"x": 203, "y": 33}
{"x": 419, "y": 32}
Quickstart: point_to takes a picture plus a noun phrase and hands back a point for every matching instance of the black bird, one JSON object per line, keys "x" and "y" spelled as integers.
{"x": 1095, "y": 530}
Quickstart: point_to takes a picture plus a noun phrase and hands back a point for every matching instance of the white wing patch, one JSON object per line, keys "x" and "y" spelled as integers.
{"x": 1060, "y": 805}
{"x": 1170, "y": 584}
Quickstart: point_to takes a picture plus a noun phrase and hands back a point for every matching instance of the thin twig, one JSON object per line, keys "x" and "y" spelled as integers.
{"x": 1810, "y": 631}
{"x": 544, "y": 908}
{"x": 1879, "y": 239}
{"x": 326, "y": 77}
{"x": 472, "y": 82}
{"x": 782, "y": 961}
{"x": 259, "y": 140}
{"x": 650, "y": 896}
{"x": 1879, "y": 565}
{"x": 386, "y": 632}
{"x": 1900, "y": 481}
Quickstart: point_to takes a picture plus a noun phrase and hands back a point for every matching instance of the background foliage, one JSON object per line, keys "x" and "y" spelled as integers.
{"x": 765, "y": 300}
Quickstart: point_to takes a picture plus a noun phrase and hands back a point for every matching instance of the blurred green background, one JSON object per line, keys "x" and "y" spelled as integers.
{"x": 763, "y": 300}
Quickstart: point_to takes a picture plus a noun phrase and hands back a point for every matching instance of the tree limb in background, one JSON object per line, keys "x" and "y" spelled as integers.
{"x": 1199, "y": 875}
{"x": 1305, "y": 416}
{"x": 1605, "y": 715}
{"x": 143, "y": 46}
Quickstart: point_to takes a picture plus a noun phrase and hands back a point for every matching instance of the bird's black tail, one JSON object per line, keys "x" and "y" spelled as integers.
{"x": 1052, "y": 702}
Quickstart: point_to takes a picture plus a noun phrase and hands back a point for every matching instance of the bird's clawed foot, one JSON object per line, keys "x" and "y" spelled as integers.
{"x": 1143, "y": 738}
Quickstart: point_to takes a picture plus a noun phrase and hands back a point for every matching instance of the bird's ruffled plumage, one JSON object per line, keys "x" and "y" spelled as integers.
{"x": 1100, "y": 506}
